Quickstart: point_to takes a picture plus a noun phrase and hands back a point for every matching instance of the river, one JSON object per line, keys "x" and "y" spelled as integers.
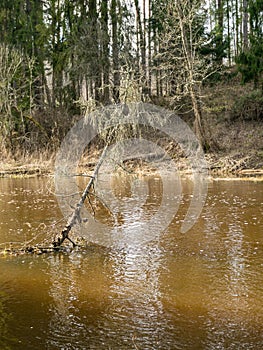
{"x": 202, "y": 289}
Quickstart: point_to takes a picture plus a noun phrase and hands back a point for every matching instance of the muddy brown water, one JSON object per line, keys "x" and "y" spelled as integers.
{"x": 198, "y": 290}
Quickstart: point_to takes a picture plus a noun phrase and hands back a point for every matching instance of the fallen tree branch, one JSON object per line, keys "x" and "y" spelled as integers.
{"x": 251, "y": 172}
{"x": 75, "y": 217}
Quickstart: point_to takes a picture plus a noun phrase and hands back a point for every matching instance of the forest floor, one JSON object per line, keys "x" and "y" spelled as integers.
{"x": 234, "y": 118}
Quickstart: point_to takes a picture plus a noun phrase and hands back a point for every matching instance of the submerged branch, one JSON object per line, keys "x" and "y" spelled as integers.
{"x": 75, "y": 217}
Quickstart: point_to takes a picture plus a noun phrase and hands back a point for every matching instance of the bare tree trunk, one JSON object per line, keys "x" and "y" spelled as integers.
{"x": 149, "y": 49}
{"x": 237, "y": 27}
{"x": 245, "y": 25}
{"x": 115, "y": 52}
{"x": 142, "y": 45}
{"x": 95, "y": 70}
{"x": 198, "y": 125}
{"x": 105, "y": 51}
{"x": 189, "y": 60}
{"x": 220, "y": 21}
{"x": 228, "y": 33}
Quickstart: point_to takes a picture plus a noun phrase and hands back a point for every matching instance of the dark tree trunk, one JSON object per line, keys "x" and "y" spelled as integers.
{"x": 115, "y": 53}
{"x": 245, "y": 25}
{"x": 105, "y": 51}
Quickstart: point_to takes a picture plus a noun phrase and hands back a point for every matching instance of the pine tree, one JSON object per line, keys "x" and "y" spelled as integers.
{"x": 250, "y": 61}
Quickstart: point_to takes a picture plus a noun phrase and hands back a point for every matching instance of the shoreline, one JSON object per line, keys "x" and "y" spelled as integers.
{"x": 216, "y": 173}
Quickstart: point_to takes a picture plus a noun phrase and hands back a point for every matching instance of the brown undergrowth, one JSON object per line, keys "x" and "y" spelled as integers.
{"x": 23, "y": 163}
{"x": 233, "y": 117}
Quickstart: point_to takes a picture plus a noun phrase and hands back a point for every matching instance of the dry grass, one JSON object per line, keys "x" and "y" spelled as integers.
{"x": 24, "y": 163}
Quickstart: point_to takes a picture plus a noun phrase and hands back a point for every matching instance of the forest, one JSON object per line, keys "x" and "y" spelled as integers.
{"x": 61, "y": 59}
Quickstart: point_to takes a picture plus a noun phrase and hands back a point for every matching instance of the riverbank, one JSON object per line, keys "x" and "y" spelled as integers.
{"x": 233, "y": 121}
{"x": 241, "y": 157}
{"x": 236, "y": 165}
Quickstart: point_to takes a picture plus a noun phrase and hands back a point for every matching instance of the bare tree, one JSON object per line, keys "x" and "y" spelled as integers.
{"x": 186, "y": 18}
{"x": 16, "y": 89}
{"x": 180, "y": 44}
{"x": 245, "y": 25}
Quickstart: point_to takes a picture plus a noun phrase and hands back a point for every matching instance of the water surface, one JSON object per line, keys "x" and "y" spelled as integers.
{"x": 198, "y": 290}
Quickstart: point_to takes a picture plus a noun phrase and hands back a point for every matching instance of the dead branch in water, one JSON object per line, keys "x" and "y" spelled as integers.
{"x": 75, "y": 217}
